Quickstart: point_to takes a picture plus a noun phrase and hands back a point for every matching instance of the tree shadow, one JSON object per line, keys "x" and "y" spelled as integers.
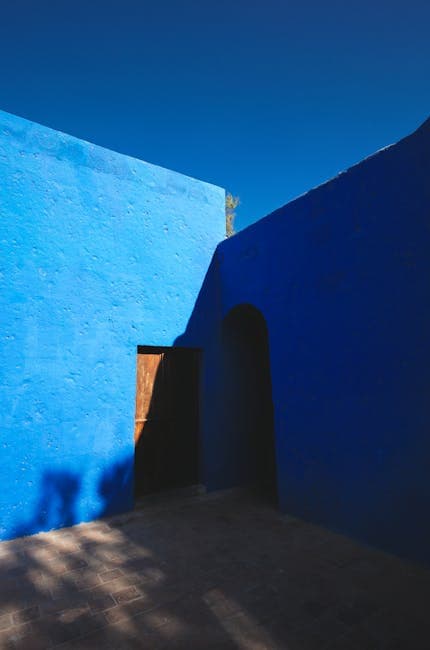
{"x": 56, "y": 506}
{"x": 115, "y": 487}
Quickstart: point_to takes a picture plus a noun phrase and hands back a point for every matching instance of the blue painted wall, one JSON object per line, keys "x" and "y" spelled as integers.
{"x": 342, "y": 278}
{"x": 99, "y": 253}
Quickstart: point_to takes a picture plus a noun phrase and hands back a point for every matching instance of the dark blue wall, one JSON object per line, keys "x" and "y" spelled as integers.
{"x": 342, "y": 277}
{"x": 99, "y": 253}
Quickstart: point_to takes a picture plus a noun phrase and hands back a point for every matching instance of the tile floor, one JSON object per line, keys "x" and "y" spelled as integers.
{"x": 223, "y": 571}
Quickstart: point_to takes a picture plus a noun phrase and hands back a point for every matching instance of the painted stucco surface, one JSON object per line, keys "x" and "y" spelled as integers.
{"x": 99, "y": 253}
{"x": 342, "y": 278}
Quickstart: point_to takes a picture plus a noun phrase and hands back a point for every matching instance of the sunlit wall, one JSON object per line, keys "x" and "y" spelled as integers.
{"x": 99, "y": 253}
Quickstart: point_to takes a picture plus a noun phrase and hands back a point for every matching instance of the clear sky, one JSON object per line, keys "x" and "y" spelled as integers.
{"x": 266, "y": 98}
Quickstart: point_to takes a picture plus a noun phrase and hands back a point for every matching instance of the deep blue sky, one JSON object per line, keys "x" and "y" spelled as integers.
{"x": 264, "y": 97}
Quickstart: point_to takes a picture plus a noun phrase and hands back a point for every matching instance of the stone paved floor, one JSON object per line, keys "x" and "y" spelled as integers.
{"x": 219, "y": 571}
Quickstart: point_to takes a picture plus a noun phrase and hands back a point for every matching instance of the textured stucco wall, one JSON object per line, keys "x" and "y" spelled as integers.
{"x": 342, "y": 277}
{"x": 99, "y": 253}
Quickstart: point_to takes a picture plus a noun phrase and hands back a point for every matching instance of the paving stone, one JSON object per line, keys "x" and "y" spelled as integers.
{"x": 154, "y": 619}
{"x": 38, "y": 642}
{"x": 89, "y": 623}
{"x": 18, "y": 632}
{"x": 125, "y": 595}
{"x": 25, "y": 615}
{"x": 54, "y": 605}
{"x": 126, "y": 611}
{"x": 99, "y": 603}
{"x": 59, "y": 632}
{"x": 72, "y": 614}
{"x": 223, "y": 571}
{"x": 111, "y": 574}
{"x": 5, "y": 621}
{"x": 84, "y": 579}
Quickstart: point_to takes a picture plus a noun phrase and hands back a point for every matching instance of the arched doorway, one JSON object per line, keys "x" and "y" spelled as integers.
{"x": 247, "y": 399}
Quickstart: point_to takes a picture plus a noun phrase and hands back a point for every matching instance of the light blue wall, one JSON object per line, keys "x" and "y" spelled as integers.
{"x": 342, "y": 278}
{"x": 99, "y": 253}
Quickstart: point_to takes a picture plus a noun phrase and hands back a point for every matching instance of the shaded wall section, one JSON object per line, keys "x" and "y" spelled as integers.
{"x": 342, "y": 277}
{"x": 247, "y": 411}
{"x": 99, "y": 253}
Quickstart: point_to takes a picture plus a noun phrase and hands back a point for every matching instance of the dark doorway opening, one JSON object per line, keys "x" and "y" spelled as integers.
{"x": 167, "y": 419}
{"x": 248, "y": 399}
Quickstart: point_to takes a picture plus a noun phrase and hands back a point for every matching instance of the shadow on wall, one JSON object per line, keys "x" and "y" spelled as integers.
{"x": 247, "y": 407}
{"x": 56, "y": 506}
{"x": 237, "y": 423}
{"x": 59, "y": 498}
{"x": 115, "y": 488}
{"x": 167, "y": 455}
{"x": 203, "y": 326}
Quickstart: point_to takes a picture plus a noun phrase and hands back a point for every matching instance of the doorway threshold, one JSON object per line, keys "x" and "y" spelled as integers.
{"x": 169, "y": 497}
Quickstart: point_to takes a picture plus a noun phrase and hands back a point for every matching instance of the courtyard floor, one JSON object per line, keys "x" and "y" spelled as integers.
{"x": 220, "y": 571}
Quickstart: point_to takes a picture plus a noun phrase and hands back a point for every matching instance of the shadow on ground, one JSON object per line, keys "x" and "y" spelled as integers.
{"x": 220, "y": 571}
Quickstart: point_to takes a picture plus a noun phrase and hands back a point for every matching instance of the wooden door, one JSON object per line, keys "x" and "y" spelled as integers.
{"x": 166, "y": 422}
{"x": 150, "y": 381}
